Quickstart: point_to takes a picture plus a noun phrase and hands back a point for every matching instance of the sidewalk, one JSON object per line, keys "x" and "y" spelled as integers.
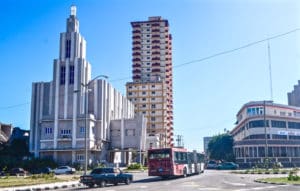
{"x": 50, "y": 186}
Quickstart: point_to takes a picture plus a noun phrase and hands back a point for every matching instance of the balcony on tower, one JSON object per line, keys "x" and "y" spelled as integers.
{"x": 155, "y": 30}
{"x": 156, "y": 70}
{"x": 136, "y": 77}
{"x": 156, "y": 64}
{"x": 136, "y": 54}
{"x": 136, "y": 42}
{"x": 136, "y": 31}
{"x": 136, "y": 65}
{"x": 156, "y": 53}
{"x": 136, "y": 37}
{"x": 136, "y": 59}
{"x": 136, "y": 48}
{"x": 155, "y": 41}
{"x": 155, "y": 25}
{"x": 136, "y": 71}
{"x": 156, "y": 58}
{"x": 155, "y": 36}
{"x": 155, "y": 47}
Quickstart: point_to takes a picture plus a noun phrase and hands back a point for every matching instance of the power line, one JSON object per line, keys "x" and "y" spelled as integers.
{"x": 238, "y": 48}
{"x": 13, "y": 106}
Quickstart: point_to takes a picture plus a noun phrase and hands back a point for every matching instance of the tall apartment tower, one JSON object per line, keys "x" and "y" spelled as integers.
{"x": 67, "y": 117}
{"x": 294, "y": 96}
{"x": 152, "y": 88}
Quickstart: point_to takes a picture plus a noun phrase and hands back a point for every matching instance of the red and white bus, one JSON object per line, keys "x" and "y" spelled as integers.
{"x": 168, "y": 162}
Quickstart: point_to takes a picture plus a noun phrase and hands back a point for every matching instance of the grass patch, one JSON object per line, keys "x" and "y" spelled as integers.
{"x": 282, "y": 180}
{"x": 13, "y": 181}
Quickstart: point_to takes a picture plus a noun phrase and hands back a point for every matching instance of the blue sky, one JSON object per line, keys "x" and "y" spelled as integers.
{"x": 207, "y": 94}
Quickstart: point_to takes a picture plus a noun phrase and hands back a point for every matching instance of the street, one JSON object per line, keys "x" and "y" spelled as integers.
{"x": 210, "y": 180}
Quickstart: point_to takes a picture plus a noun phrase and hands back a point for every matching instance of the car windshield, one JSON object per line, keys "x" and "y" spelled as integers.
{"x": 102, "y": 170}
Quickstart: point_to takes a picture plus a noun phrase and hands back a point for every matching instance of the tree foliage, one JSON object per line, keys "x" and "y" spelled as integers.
{"x": 221, "y": 147}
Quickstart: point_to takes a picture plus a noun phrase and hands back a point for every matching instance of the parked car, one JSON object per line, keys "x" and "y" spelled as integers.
{"x": 18, "y": 172}
{"x": 228, "y": 166}
{"x": 103, "y": 176}
{"x": 212, "y": 164}
{"x": 45, "y": 170}
{"x": 64, "y": 170}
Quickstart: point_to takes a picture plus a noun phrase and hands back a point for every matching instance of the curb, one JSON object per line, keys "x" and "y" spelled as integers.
{"x": 265, "y": 182}
{"x": 52, "y": 186}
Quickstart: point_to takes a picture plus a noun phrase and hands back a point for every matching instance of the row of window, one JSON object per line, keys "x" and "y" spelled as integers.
{"x": 143, "y": 93}
{"x": 49, "y": 130}
{"x": 274, "y": 124}
{"x": 63, "y": 75}
{"x": 274, "y": 136}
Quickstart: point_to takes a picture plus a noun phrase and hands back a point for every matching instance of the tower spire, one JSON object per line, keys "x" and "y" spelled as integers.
{"x": 73, "y": 10}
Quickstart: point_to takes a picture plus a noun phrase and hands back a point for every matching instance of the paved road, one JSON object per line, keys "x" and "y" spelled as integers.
{"x": 211, "y": 180}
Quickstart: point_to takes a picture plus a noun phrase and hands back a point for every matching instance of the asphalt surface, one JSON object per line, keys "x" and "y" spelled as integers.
{"x": 211, "y": 180}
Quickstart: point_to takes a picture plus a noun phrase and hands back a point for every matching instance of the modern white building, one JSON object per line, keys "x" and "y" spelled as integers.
{"x": 58, "y": 108}
{"x": 267, "y": 130}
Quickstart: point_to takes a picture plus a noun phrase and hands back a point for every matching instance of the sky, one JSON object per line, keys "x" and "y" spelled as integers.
{"x": 207, "y": 93}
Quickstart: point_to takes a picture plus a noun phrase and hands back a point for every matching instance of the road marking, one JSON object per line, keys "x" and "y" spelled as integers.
{"x": 260, "y": 188}
{"x": 234, "y": 183}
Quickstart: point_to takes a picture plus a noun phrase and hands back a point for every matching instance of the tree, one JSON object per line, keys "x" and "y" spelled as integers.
{"x": 221, "y": 147}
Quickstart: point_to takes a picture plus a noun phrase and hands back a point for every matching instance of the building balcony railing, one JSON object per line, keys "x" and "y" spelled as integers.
{"x": 136, "y": 54}
{"x": 156, "y": 70}
{"x": 155, "y": 30}
{"x": 136, "y": 31}
{"x": 136, "y": 77}
{"x": 155, "y": 64}
{"x": 136, "y": 59}
{"x": 136, "y": 71}
{"x": 136, "y": 48}
{"x": 156, "y": 58}
{"x": 155, "y": 25}
{"x": 155, "y": 41}
{"x": 156, "y": 53}
{"x": 136, "y": 37}
{"x": 136, "y": 65}
{"x": 136, "y": 42}
{"x": 155, "y": 47}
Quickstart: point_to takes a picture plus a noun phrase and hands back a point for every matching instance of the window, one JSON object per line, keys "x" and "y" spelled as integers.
{"x": 278, "y": 124}
{"x": 130, "y": 132}
{"x": 153, "y": 86}
{"x": 129, "y": 87}
{"x": 152, "y": 118}
{"x": 48, "y": 130}
{"x": 65, "y": 132}
{"x": 152, "y": 111}
{"x": 144, "y": 99}
{"x": 258, "y": 123}
{"x": 144, "y": 93}
{"x": 82, "y": 129}
{"x": 153, "y": 125}
{"x": 294, "y": 125}
{"x": 143, "y": 105}
{"x": 68, "y": 48}
{"x": 255, "y": 111}
{"x": 153, "y": 98}
{"x": 80, "y": 157}
{"x": 62, "y": 75}
{"x": 129, "y": 93}
{"x": 153, "y": 106}
{"x": 71, "y": 74}
{"x": 153, "y": 92}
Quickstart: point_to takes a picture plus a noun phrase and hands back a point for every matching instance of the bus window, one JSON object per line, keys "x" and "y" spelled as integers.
{"x": 159, "y": 154}
{"x": 180, "y": 157}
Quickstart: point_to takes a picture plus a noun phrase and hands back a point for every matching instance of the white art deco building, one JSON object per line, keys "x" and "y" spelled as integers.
{"x": 58, "y": 107}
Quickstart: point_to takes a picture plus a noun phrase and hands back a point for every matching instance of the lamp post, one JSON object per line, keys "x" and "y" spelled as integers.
{"x": 86, "y": 86}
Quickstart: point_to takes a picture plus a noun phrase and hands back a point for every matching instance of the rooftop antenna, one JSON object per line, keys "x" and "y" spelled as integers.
{"x": 270, "y": 70}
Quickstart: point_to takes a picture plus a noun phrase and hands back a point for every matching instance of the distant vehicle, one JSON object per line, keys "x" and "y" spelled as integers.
{"x": 45, "y": 170}
{"x": 212, "y": 164}
{"x": 64, "y": 170}
{"x": 228, "y": 166}
{"x": 103, "y": 176}
{"x": 168, "y": 162}
{"x": 18, "y": 172}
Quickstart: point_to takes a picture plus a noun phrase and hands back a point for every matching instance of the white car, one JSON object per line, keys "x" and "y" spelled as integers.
{"x": 64, "y": 170}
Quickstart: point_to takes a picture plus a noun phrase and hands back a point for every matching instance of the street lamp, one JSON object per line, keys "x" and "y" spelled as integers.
{"x": 86, "y": 86}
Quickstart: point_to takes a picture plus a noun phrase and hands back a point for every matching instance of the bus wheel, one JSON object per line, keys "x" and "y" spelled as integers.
{"x": 184, "y": 172}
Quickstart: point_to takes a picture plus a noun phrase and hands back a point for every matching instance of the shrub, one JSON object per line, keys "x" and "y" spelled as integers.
{"x": 135, "y": 166}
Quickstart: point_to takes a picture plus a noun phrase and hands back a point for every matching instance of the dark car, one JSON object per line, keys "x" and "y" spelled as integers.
{"x": 18, "y": 172}
{"x": 228, "y": 166}
{"x": 103, "y": 176}
{"x": 45, "y": 170}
